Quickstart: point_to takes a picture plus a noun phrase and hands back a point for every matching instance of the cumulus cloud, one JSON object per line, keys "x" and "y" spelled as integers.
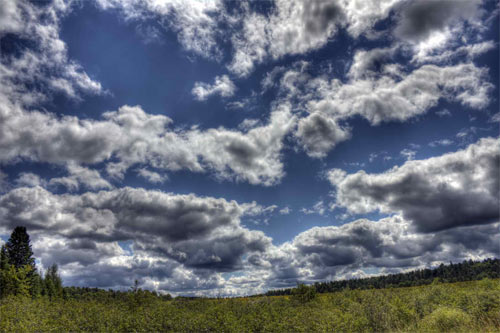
{"x": 222, "y": 86}
{"x": 43, "y": 61}
{"x": 30, "y": 179}
{"x": 319, "y": 134}
{"x": 377, "y": 91}
{"x": 184, "y": 243}
{"x": 90, "y": 179}
{"x": 151, "y": 176}
{"x": 431, "y": 26}
{"x": 368, "y": 62}
{"x": 439, "y": 193}
{"x": 185, "y": 231}
{"x": 299, "y": 27}
{"x": 291, "y": 28}
{"x": 132, "y": 136}
{"x": 398, "y": 98}
{"x": 419, "y": 20}
{"x": 388, "y": 245}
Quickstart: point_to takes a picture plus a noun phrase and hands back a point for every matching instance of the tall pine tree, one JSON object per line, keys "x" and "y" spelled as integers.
{"x": 19, "y": 249}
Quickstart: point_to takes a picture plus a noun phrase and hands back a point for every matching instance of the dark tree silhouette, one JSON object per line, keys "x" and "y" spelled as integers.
{"x": 19, "y": 249}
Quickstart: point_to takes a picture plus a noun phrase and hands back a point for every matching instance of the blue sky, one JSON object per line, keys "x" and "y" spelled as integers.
{"x": 210, "y": 147}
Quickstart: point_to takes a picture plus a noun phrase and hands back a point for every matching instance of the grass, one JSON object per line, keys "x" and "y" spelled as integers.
{"x": 451, "y": 307}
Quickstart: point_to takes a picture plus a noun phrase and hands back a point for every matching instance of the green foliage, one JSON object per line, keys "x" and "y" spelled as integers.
{"x": 15, "y": 282}
{"x": 446, "y": 319}
{"x": 459, "y": 307}
{"x": 303, "y": 293}
{"x": 52, "y": 283}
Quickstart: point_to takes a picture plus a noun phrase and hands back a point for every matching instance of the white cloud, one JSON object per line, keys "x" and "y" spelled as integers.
{"x": 443, "y": 192}
{"x": 45, "y": 62}
{"x": 291, "y": 28}
{"x": 285, "y": 211}
{"x": 222, "y": 86}
{"x": 408, "y": 154}
{"x": 151, "y": 176}
{"x": 30, "y": 179}
{"x": 318, "y": 208}
{"x": 132, "y": 136}
{"x": 442, "y": 142}
{"x": 443, "y": 113}
{"x": 383, "y": 93}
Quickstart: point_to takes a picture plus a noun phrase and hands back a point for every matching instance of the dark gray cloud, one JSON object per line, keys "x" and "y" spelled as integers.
{"x": 319, "y": 134}
{"x": 439, "y": 193}
{"x": 319, "y": 15}
{"x": 419, "y": 19}
{"x": 387, "y": 245}
{"x": 194, "y": 235}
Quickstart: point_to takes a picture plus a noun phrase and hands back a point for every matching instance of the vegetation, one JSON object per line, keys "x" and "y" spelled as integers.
{"x": 32, "y": 302}
{"x": 465, "y": 271}
{"x": 457, "y": 307}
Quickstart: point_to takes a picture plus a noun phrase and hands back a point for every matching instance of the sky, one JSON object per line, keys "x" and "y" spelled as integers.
{"x": 212, "y": 147}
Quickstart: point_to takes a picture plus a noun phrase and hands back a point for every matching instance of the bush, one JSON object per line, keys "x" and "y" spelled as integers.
{"x": 303, "y": 293}
{"x": 446, "y": 319}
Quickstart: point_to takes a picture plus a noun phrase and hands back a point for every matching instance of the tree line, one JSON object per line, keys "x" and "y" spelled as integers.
{"x": 465, "y": 271}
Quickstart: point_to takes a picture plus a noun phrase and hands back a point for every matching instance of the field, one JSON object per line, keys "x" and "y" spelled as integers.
{"x": 454, "y": 307}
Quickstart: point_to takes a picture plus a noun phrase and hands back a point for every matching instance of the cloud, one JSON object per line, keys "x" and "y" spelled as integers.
{"x": 30, "y": 179}
{"x": 151, "y": 176}
{"x": 470, "y": 52}
{"x": 195, "y": 22}
{"x": 495, "y": 118}
{"x": 443, "y": 113}
{"x": 43, "y": 60}
{"x": 285, "y": 211}
{"x": 184, "y": 243}
{"x": 200, "y": 234}
{"x": 132, "y": 136}
{"x": 3, "y": 181}
{"x": 379, "y": 93}
{"x": 443, "y": 142}
{"x": 319, "y": 134}
{"x": 291, "y": 28}
{"x": 439, "y": 193}
{"x": 222, "y": 86}
{"x": 419, "y": 20}
{"x": 430, "y": 27}
{"x": 368, "y": 62}
{"x": 388, "y": 245}
{"x": 408, "y": 154}
{"x": 393, "y": 98}
{"x": 318, "y": 208}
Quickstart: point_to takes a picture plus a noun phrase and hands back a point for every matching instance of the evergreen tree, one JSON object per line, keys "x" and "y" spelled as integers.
{"x": 4, "y": 259}
{"x": 53, "y": 283}
{"x": 19, "y": 249}
{"x": 16, "y": 281}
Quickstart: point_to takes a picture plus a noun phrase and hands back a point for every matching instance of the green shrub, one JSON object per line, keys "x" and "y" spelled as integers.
{"x": 445, "y": 319}
{"x": 303, "y": 293}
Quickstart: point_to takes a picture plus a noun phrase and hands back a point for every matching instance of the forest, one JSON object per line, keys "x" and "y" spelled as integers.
{"x": 456, "y": 297}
